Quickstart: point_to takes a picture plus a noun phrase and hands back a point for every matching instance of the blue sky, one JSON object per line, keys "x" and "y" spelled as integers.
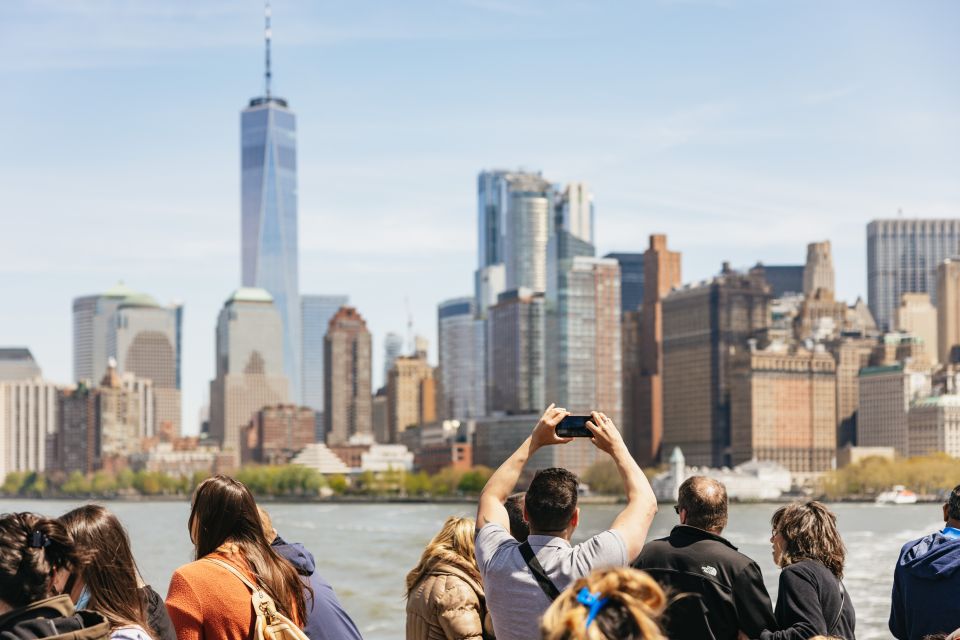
{"x": 741, "y": 129}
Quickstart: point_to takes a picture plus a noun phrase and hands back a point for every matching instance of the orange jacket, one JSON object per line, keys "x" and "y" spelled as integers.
{"x": 207, "y": 602}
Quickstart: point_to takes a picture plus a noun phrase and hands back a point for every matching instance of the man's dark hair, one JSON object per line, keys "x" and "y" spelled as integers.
{"x": 551, "y": 499}
{"x": 518, "y": 526}
{"x": 953, "y": 504}
{"x": 705, "y": 501}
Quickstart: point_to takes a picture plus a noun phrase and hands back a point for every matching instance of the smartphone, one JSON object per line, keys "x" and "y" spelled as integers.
{"x": 574, "y": 427}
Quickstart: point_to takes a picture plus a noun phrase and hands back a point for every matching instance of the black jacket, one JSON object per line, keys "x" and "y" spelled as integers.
{"x": 160, "y": 624}
{"x": 811, "y": 602}
{"x": 717, "y": 591}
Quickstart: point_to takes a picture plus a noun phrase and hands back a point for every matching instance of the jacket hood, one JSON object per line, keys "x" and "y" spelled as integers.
{"x": 933, "y": 557}
{"x": 53, "y": 618}
{"x": 296, "y": 554}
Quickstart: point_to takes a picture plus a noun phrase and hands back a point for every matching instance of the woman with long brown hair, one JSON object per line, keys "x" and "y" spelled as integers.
{"x": 811, "y": 600}
{"x": 37, "y": 557}
{"x": 110, "y": 583}
{"x": 207, "y": 601}
{"x": 609, "y": 604}
{"x": 444, "y": 594}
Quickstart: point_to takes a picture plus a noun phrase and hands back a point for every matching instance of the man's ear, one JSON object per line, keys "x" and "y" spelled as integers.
{"x": 683, "y": 516}
{"x": 946, "y": 513}
{"x": 575, "y": 520}
{"x": 526, "y": 516}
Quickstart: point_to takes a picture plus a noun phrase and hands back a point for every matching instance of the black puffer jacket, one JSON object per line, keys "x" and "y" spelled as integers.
{"x": 53, "y": 618}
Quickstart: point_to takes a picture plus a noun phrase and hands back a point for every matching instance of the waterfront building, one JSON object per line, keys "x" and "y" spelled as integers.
{"x": 28, "y": 417}
{"x": 276, "y": 434}
{"x": 661, "y": 274}
{"x": 886, "y": 393}
{"x": 918, "y": 317}
{"x": 321, "y": 458}
{"x": 182, "y": 457}
{"x": 380, "y": 458}
{"x": 249, "y": 365}
{"x": 316, "y": 312}
{"x": 410, "y": 393}
{"x": 948, "y": 311}
{"x": 462, "y": 368}
{"x": 934, "y": 426}
{"x": 902, "y": 257}
{"x": 516, "y": 352}
{"x": 783, "y": 408}
{"x": 631, "y": 279}
{"x": 703, "y": 324}
{"x": 75, "y": 440}
{"x": 17, "y": 363}
{"x": 784, "y": 279}
{"x": 268, "y": 197}
{"x": 574, "y": 212}
{"x": 818, "y": 272}
{"x": 348, "y": 369}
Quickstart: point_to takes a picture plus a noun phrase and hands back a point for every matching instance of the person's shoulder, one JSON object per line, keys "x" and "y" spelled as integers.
{"x": 809, "y": 570}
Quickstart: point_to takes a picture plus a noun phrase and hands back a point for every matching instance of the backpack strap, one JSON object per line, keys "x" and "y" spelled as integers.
{"x": 229, "y": 567}
{"x": 843, "y": 594}
{"x": 546, "y": 584}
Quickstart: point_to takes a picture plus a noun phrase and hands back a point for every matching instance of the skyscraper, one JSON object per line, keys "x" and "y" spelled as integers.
{"x": 28, "y": 418}
{"x": 902, "y": 257}
{"x": 661, "y": 273}
{"x": 17, "y": 363}
{"x": 818, "y": 271}
{"x": 146, "y": 345}
{"x": 462, "y": 373}
{"x": 573, "y": 211}
{"x": 316, "y": 312}
{"x": 918, "y": 317}
{"x": 347, "y": 358}
{"x": 411, "y": 390}
{"x": 631, "y": 279}
{"x": 249, "y": 353}
{"x": 269, "y": 212}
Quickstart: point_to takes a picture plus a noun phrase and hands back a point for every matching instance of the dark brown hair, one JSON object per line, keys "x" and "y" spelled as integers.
{"x": 518, "y": 526}
{"x": 953, "y": 504}
{"x": 224, "y": 511}
{"x": 551, "y": 499}
{"x": 705, "y": 501}
{"x": 111, "y": 575}
{"x": 809, "y": 532}
{"x": 31, "y": 549}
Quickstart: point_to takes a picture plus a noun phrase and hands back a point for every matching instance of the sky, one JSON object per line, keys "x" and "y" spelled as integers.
{"x": 741, "y": 129}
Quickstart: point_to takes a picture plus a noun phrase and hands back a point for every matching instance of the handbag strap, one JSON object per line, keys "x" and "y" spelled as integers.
{"x": 229, "y": 567}
{"x": 537, "y": 570}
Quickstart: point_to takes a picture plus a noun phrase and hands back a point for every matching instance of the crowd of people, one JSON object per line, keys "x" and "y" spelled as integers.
{"x": 511, "y": 574}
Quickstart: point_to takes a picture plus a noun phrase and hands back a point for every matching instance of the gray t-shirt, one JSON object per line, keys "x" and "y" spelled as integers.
{"x": 514, "y": 598}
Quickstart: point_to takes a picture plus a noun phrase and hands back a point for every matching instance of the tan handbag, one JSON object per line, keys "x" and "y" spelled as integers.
{"x": 271, "y": 624}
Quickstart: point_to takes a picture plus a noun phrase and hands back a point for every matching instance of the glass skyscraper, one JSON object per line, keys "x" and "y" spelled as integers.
{"x": 317, "y": 311}
{"x": 269, "y": 214}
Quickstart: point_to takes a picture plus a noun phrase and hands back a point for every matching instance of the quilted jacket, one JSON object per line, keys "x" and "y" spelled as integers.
{"x": 448, "y": 604}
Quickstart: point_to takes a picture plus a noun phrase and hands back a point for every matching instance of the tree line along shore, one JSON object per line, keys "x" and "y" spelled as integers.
{"x": 928, "y": 476}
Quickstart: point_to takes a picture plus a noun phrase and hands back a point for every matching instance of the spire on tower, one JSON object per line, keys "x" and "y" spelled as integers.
{"x": 267, "y": 34}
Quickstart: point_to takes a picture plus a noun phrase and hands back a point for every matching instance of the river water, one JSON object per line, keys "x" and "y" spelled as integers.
{"x": 365, "y": 550}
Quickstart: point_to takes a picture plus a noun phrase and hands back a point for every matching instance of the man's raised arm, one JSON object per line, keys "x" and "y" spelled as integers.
{"x": 633, "y": 523}
{"x": 502, "y": 483}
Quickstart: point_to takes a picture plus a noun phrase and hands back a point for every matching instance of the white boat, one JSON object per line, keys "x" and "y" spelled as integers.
{"x": 898, "y": 495}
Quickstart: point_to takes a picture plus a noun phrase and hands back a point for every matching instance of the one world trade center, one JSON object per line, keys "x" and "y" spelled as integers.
{"x": 270, "y": 253}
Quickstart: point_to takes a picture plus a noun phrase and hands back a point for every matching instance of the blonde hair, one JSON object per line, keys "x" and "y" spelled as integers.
{"x": 635, "y": 604}
{"x": 453, "y": 546}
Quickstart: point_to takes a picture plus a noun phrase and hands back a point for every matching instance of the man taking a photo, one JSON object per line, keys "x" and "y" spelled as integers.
{"x": 521, "y": 580}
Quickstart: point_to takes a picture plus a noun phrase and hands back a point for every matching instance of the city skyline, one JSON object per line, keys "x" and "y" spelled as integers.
{"x": 779, "y": 150}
